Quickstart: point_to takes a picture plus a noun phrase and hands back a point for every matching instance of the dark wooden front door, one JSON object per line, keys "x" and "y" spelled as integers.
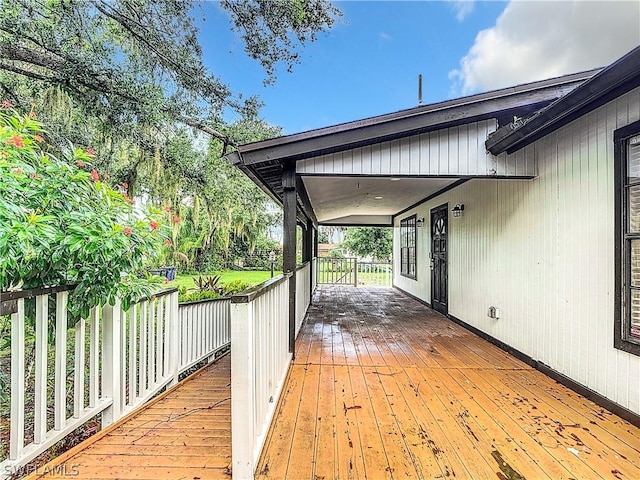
{"x": 439, "y": 248}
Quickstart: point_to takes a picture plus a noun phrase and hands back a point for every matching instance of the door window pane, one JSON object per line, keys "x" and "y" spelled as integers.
{"x": 633, "y": 208}
{"x": 635, "y": 313}
{"x": 633, "y": 160}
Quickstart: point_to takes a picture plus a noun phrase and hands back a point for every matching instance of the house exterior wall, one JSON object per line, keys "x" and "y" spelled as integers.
{"x": 452, "y": 151}
{"x": 542, "y": 251}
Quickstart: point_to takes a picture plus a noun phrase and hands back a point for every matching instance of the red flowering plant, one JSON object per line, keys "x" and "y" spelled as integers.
{"x": 60, "y": 223}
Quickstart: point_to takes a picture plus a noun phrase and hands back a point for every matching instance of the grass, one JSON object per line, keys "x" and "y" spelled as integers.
{"x": 252, "y": 277}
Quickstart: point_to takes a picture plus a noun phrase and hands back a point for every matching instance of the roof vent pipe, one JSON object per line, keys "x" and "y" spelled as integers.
{"x": 420, "y": 89}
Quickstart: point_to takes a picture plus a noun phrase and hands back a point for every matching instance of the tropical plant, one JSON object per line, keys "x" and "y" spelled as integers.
{"x": 60, "y": 223}
{"x": 209, "y": 284}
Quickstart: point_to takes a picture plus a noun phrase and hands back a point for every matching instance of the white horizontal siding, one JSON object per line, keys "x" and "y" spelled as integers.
{"x": 455, "y": 151}
{"x": 542, "y": 251}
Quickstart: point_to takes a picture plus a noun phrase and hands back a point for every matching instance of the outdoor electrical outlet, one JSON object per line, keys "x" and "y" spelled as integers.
{"x": 492, "y": 312}
{"x": 497, "y": 313}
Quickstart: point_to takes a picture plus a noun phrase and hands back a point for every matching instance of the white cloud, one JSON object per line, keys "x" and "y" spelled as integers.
{"x": 385, "y": 37}
{"x": 537, "y": 40}
{"x": 462, "y": 8}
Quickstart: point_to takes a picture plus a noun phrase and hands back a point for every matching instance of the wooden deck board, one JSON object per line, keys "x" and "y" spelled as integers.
{"x": 413, "y": 395}
{"x": 185, "y": 433}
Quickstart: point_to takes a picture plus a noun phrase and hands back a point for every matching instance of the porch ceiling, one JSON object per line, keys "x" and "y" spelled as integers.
{"x": 341, "y": 200}
{"x": 448, "y": 136}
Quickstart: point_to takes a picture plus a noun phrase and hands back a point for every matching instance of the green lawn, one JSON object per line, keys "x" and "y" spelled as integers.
{"x": 252, "y": 277}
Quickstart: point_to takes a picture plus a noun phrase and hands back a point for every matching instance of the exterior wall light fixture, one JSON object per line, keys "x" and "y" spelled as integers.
{"x": 457, "y": 210}
{"x": 420, "y": 222}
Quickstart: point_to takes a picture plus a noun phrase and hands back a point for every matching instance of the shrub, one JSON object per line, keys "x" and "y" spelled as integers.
{"x": 60, "y": 223}
{"x": 235, "y": 286}
{"x": 194, "y": 296}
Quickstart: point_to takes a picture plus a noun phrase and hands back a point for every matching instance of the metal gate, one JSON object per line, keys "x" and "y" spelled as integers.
{"x": 337, "y": 271}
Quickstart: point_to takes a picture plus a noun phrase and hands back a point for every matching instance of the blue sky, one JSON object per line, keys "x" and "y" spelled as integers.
{"x": 368, "y": 64}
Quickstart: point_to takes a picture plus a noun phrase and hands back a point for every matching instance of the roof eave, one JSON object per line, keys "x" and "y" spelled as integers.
{"x": 412, "y": 121}
{"x": 616, "y": 79}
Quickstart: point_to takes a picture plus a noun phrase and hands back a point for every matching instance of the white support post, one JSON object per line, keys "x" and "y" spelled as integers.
{"x": 16, "y": 442}
{"x": 60, "y": 381}
{"x": 242, "y": 391}
{"x": 111, "y": 362}
{"x": 40, "y": 417}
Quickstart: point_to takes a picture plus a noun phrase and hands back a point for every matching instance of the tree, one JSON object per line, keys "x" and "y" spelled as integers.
{"x": 126, "y": 78}
{"x": 376, "y": 242}
{"x": 138, "y": 62}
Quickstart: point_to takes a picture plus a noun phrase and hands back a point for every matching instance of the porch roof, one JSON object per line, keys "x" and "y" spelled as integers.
{"x": 264, "y": 162}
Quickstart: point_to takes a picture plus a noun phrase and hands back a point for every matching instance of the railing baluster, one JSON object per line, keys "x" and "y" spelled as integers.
{"x": 151, "y": 345}
{"x": 60, "y": 381}
{"x": 142, "y": 376}
{"x": 40, "y": 414}
{"x": 184, "y": 338}
{"x": 166, "y": 340}
{"x": 133, "y": 351}
{"x": 159, "y": 337}
{"x": 16, "y": 442}
{"x": 94, "y": 352}
{"x": 78, "y": 370}
{"x": 123, "y": 357}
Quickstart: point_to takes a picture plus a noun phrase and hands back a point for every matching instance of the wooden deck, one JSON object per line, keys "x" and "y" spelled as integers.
{"x": 382, "y": 387}
{"x": 183, "y": 434}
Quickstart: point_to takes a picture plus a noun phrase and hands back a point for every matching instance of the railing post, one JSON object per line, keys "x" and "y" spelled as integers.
{"x": 175, "y": 331}
{"x": 242, "y": 391}
{"x": 60, "y": 388}
{"x": 16, "y": 444}
{"x": 355, "y": 272}
{"x": 111, "y": 362}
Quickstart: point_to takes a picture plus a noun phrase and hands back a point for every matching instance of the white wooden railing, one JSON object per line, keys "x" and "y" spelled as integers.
{"x": 120, "y": 361}
{"x": 303, "y": 293}
{"x": 205, "y": 326}
{"x": 259, "y": 362}
{"x": 374, "y": 274}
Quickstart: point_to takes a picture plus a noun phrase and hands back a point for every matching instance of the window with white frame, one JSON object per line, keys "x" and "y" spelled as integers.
{"x": 408, "y": 233}
{"x": 627, "y": 176}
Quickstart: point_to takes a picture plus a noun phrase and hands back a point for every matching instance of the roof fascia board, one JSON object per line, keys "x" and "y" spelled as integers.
{"x": 616, "y": 79}
{"x": 328, "y": 224}
{"x": 440, "y": 115}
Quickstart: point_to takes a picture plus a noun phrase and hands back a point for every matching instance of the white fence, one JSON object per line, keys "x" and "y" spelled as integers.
{"x": 119, "y": 361}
